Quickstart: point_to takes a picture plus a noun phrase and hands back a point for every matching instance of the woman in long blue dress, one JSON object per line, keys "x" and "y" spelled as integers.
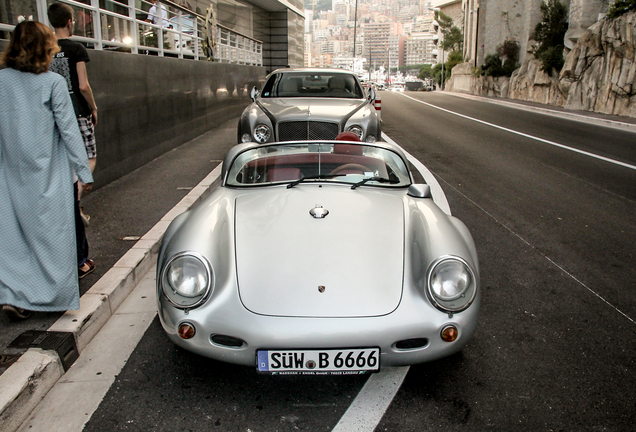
{"x": 40, "y": 149}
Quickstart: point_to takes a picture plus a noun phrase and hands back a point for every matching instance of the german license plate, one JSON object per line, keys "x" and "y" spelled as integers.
{"x": 319, "y": 362}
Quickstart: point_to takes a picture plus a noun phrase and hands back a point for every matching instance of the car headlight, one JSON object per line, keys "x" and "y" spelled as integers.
{"x": 356, "y": 130}
{"x": 451, "y": 284}
{"x": 262, "y": 133}
{"x": 187, "y": 280}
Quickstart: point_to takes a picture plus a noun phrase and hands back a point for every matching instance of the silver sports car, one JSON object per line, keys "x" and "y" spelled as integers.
{"x": 309, "y": 104}
{"x": 318, "y": 257}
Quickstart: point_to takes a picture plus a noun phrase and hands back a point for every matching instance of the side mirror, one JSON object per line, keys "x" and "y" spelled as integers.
{"x": 371, "y": 94}
{"x": 419, "y": 191}
{"x": 254, "y": 94}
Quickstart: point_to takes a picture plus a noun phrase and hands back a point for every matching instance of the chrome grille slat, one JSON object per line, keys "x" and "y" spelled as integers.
{"x": 302, "y": 130}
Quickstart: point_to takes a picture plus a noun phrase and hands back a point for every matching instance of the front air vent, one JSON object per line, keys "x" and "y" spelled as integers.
{"x": 411, "y": 344}
{"x": 227, "y": 341}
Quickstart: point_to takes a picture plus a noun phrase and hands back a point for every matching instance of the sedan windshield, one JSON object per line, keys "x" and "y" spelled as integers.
{"x": 357, "y": 164}
{"x": 306, "y": 84}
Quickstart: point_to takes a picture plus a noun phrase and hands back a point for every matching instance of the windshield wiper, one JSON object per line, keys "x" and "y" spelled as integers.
{"x": 378, "y": 179}
{"x": 313, "y": 177}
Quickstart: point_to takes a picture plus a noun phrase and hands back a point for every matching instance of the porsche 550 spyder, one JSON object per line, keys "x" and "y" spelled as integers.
{"x": 309, "y": 104}
{"x": 318, "y": 257}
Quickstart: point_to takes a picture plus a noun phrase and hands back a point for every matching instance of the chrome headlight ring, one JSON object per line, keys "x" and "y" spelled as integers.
{"x": 356, "y": 129}
{"x": 262, "y": 133}
{"x": 187, "y": 280}
{"x": 451, "y": 285}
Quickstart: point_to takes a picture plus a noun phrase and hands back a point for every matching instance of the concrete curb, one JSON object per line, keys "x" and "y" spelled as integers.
{"x": 28, "y": 380}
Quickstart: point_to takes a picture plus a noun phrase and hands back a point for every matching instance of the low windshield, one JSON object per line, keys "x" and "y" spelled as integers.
{"x": 339, "y": 162}
{"x": 305, "y": 84}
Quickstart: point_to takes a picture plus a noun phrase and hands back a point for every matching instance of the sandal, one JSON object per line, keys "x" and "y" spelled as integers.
{"x": 91, "y": 267}
{"x": 16, "y": 313}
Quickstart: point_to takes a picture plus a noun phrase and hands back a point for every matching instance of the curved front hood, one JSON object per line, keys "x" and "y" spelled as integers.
{"x": 310, "y": 108}
{"x": 349, "y": 264}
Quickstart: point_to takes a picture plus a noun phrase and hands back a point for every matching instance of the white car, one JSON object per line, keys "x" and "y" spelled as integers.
{"x": 318, "y": 257}
{"x": 309, "y": 103}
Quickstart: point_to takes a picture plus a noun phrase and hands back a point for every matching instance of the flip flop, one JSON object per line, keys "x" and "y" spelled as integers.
{"x": 91, "y": 267}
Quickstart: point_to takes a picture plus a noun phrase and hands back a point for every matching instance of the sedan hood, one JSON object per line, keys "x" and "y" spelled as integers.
{"x": 347, "y": 264}
{"x": 313, "y": 108}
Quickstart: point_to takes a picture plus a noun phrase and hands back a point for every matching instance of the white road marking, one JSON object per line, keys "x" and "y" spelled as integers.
{"x": 552, "y": 143}
{"x": 69, "y": 405}
{"x": 368, "y": 408}
{"x": 550, "y": 260}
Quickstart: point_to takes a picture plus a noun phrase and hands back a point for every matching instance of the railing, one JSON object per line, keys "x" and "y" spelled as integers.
{"x": 172, "y": 30}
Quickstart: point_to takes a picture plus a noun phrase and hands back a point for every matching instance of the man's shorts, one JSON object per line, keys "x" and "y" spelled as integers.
{"x": 88, "y": 134}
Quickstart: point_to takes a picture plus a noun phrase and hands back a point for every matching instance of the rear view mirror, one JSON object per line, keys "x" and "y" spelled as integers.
{"x": 419, "y": 191}
{"x": 254, "y": 94}
{"x": 371, "y": 94}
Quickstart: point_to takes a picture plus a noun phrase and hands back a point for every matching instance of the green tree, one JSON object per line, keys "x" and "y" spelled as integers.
{"x": 621, "y": 7}
{"x": 453, "y": 36}
{"x": 454, "y": 58}
{"x": 426, "y": 71}
{"x": 550, "y": 34}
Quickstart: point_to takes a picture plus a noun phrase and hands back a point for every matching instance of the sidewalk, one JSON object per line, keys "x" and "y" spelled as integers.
{"x": 138, "y": 206}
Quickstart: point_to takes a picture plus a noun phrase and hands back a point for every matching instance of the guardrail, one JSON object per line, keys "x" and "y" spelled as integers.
{"x": 162, "y": 29}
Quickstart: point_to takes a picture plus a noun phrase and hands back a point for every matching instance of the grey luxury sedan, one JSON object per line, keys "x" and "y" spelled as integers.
{"x": 318, "y": 257}
{"x": 301, "y": 104}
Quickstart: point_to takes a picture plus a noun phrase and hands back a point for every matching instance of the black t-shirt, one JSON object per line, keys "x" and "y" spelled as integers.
{"x": 65, "y": 64}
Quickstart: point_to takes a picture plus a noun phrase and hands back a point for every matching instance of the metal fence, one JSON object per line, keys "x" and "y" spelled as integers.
{"x": 162, "y": 29}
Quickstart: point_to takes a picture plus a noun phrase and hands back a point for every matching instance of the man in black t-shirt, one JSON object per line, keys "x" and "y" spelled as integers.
{"x": 70, "y": 62}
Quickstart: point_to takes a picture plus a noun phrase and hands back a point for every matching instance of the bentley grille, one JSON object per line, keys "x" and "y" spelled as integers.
{"x": 307, "y": 130}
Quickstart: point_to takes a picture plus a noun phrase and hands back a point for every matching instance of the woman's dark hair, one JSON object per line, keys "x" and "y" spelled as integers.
{"x": 31, "y": 48}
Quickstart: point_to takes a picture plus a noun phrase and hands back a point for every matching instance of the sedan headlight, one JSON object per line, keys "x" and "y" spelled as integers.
{"x": 451, "y": 284}
{"x": 356, "y": 130}
{"x": 262, "y": 133}
{"x": 187, "y": 280}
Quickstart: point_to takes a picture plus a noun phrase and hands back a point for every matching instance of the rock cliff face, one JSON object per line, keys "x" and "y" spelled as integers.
{"x": 599, "y": 74}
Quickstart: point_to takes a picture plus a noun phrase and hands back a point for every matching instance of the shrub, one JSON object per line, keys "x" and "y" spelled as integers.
{"x": 621, "y": 7}
{"x": 550, "y": 33}
{"x": 504, "y": 62}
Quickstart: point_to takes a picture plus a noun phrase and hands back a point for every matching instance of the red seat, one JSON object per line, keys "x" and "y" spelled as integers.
{"x": 283, "y": 174}
{"x": 348, "y": 149}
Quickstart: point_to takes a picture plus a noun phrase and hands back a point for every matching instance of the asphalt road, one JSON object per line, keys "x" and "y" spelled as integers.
{"x": 555, "y": 231}
{"x": 555, "y": 347}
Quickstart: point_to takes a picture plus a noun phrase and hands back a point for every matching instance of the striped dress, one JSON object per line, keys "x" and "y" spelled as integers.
{"x": 40, "y": 149}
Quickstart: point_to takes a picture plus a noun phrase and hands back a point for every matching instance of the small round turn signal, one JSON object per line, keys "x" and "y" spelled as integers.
{"x": 186, "y": 331}
{"x": 449, "y": 333}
